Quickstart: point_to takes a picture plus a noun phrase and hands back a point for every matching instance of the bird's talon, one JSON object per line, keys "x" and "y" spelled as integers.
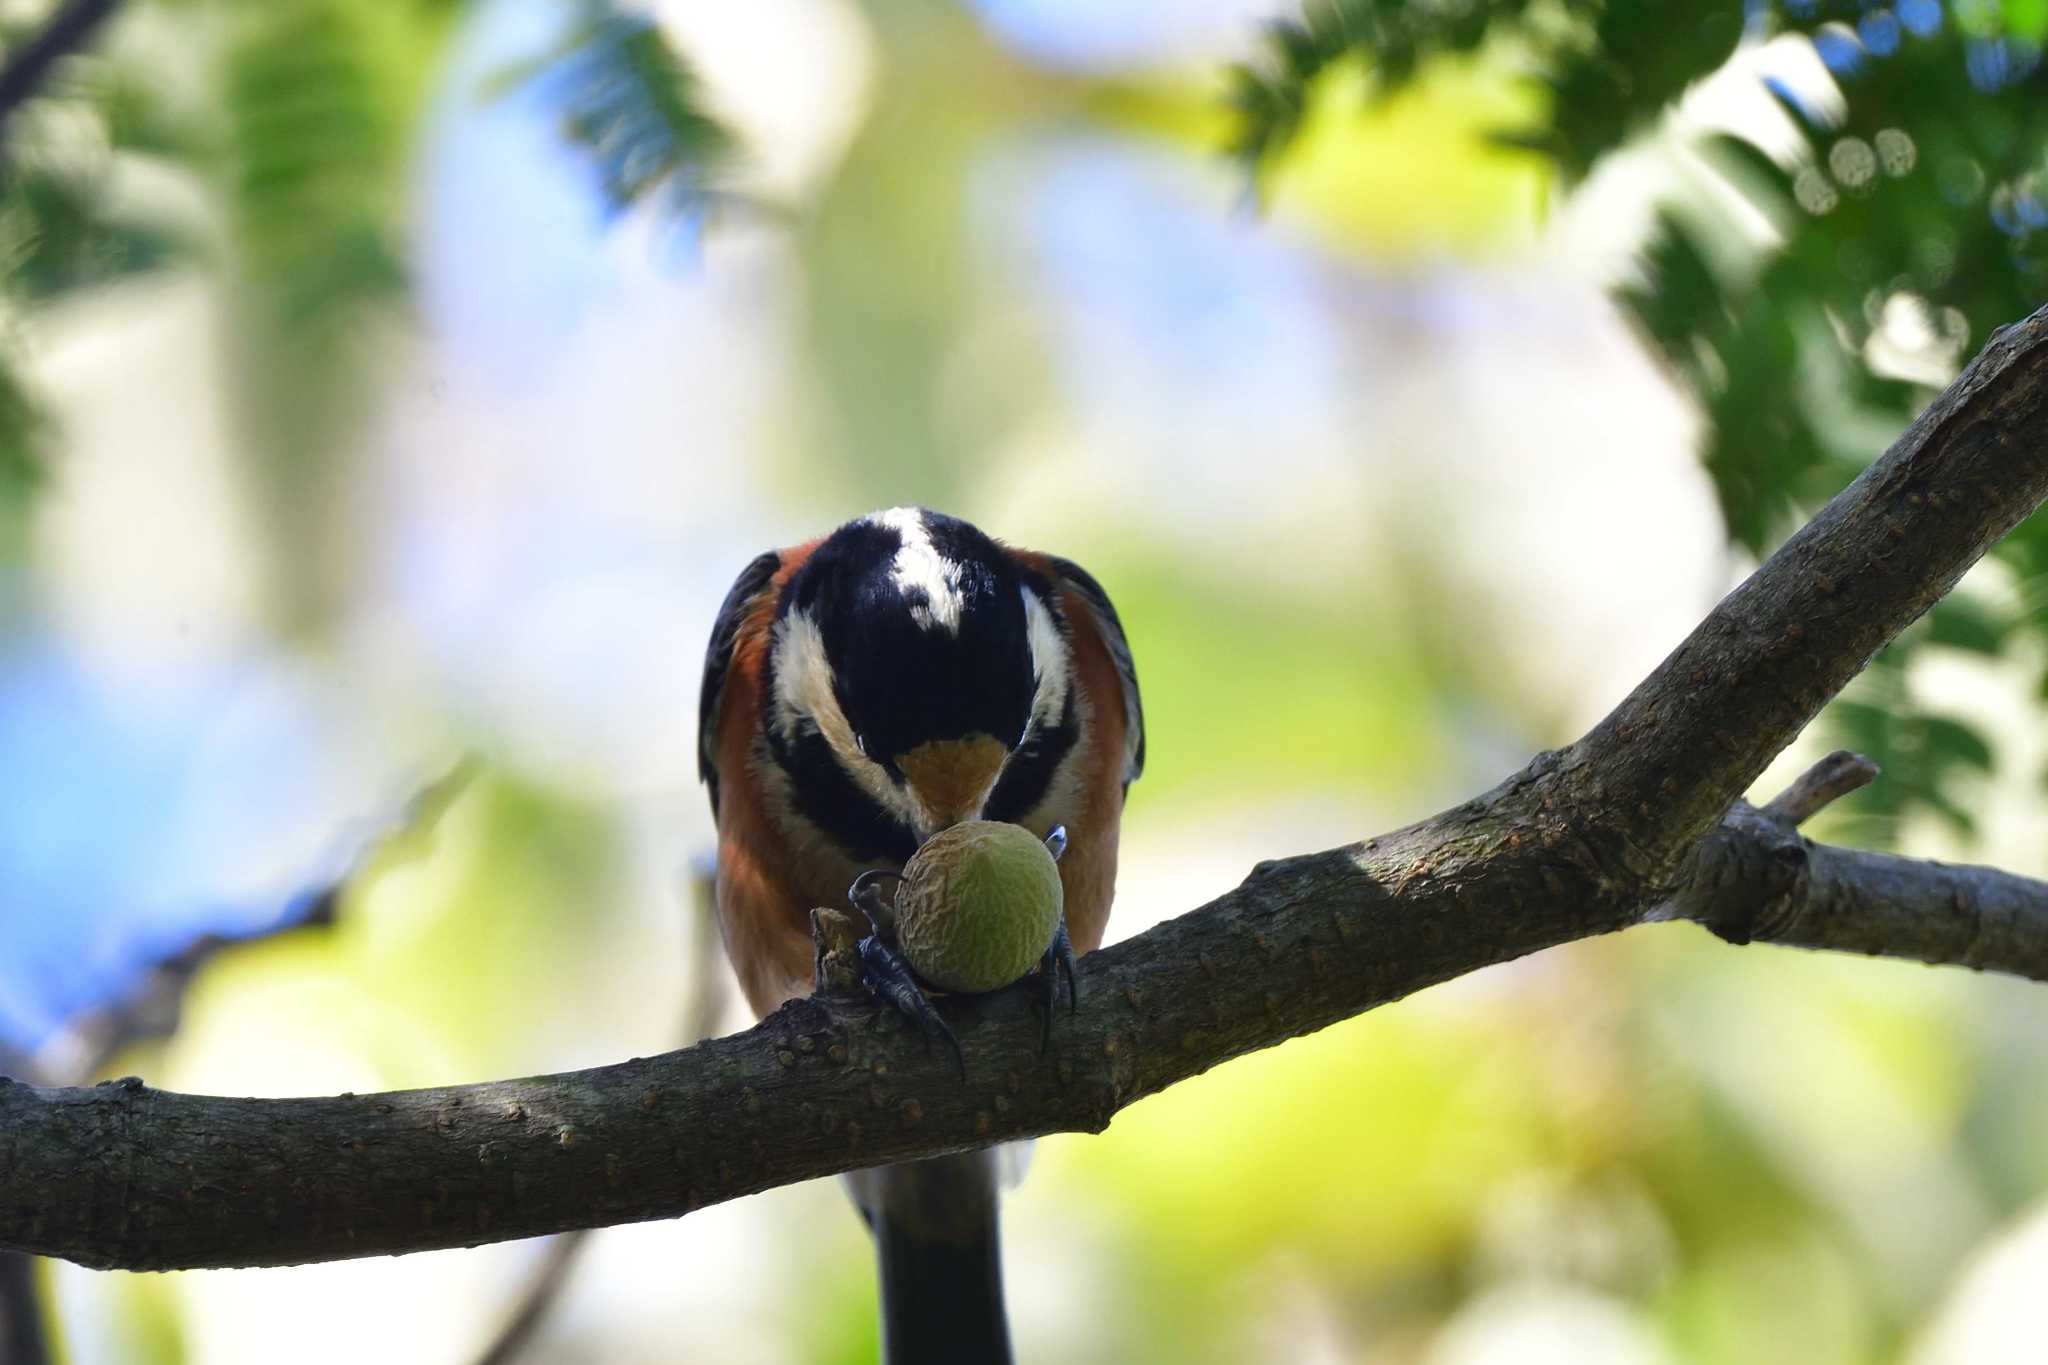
{"x": 865, "y": 896}
{"x": 1065, "y": 947}
{"x": 890, "y": 978}
{"x": 1058, "y": 962}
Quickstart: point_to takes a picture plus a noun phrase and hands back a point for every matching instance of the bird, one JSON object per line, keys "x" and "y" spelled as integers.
{"x": 863, "y": 691}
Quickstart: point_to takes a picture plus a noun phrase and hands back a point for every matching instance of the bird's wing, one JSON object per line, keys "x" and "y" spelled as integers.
{"x": 748, "y": 591}
{"x": 1096, "y": 613}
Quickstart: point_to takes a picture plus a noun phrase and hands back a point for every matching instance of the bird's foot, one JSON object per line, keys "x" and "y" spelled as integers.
{"x": 1058, "y": 962}
{"x": 865, "y": 895}
{"x": 890, "y": 977}
{"x": 1059, "y": 954}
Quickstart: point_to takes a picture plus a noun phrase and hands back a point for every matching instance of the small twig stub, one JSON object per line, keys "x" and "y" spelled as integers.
{"x": 1820, "y": 786}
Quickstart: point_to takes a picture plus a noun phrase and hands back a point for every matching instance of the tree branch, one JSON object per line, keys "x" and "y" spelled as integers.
{"x": 1638, "y": 821}
{"x": 1756, "y": 880}
{"x": 1668, "y": 761}
{"x": 1826, "y": 782}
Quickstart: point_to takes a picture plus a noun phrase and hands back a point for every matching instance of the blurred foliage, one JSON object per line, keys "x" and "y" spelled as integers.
{"x": 317, "y": 100}
{"x": 1759, "y": 1158}
{"x": 1413, "y": 172}
{"x": 317, "y": 108}
{"x": 1392, "y": 37}
{"x": 1911, "y": 226}
{"x": 1351, "y": 677}
{"x": 60, "y": 230}
{"x": 299, "y": 136}
{"x": 631, "y": 102}
{"x": 20, "y": 471}
{"x": 902, "y": 209}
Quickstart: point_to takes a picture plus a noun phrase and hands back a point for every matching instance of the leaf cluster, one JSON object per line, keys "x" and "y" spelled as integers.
{"x": 292, "y": 122}
{"x": 630, "y": 101}
{"x": 1912, "y": 221}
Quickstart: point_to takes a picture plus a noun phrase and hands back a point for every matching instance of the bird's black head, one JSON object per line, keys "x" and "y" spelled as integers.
{"x": 923, "y": 623}
{"x": 906, "y": 643}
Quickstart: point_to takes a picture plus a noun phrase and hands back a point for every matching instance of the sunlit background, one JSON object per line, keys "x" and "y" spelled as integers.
{"x": 390, "y": 561}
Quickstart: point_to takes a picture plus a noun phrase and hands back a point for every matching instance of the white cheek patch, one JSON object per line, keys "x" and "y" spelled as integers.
{"x": 803, "y": 681}
{"x": 920, "y": 568}
{"x": 803, "y": 693}
{"x": 1050, "y": 659}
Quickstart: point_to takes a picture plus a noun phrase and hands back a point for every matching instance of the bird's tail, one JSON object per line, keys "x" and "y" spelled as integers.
{"x": 935, "y": 1227}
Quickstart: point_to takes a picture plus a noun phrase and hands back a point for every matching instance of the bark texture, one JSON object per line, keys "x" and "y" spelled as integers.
{"x": 1638, "y": 821}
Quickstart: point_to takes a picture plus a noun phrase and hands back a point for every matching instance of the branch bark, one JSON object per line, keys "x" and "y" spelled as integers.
{"x": 1638, "y": 821}
{"x": 1665, "y": 764}
{"x": 1757, "y": 880}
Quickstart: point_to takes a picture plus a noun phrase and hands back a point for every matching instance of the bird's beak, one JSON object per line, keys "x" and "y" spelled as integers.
{"x": 950, "y": 779}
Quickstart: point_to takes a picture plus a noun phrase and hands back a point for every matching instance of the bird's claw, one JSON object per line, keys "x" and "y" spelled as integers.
{"x": 1058, "y": 962}
{"x": 1059, "y": 954}
{"x": 890, "y": 978}
{"x": 865, "y": 895}
{"x": 888, "y": 975}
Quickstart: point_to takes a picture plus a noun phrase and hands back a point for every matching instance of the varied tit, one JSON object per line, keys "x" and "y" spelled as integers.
{"x": 903, "y": 674}
{"x": 862, "y": 692}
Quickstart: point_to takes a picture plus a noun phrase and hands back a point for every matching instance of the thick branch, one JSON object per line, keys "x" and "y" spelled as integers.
{"x": 1611, "y": 834}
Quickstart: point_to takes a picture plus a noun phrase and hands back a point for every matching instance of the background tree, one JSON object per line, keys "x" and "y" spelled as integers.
{"x": 1888, "y": 235}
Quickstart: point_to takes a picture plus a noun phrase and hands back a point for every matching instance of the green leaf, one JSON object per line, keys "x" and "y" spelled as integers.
{"x": 1918, "y": 217}
{"x": 1951, "y": 743}
{"x": 1922, "y": 756}
{"x": 2027, "y": 19}
{"x": 59, "y": 228}
{"x": 1960, "y": 623}
{"x": 631, "y": 102}
{"x": 318, "y": 100}
{"x": 57, "y": 236}
{"x": 23, "y": 432}
{"x": 1270, "y": 94}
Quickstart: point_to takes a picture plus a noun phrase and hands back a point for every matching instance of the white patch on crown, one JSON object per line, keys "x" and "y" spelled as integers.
{"x": 803, "y": 693}
{"x": 920, "y": 566}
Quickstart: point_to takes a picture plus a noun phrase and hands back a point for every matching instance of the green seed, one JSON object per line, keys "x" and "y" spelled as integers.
{"x": 978, "y": 906}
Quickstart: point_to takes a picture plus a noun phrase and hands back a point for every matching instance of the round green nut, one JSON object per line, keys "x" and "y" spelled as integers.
{"x": 978, "y": 906}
